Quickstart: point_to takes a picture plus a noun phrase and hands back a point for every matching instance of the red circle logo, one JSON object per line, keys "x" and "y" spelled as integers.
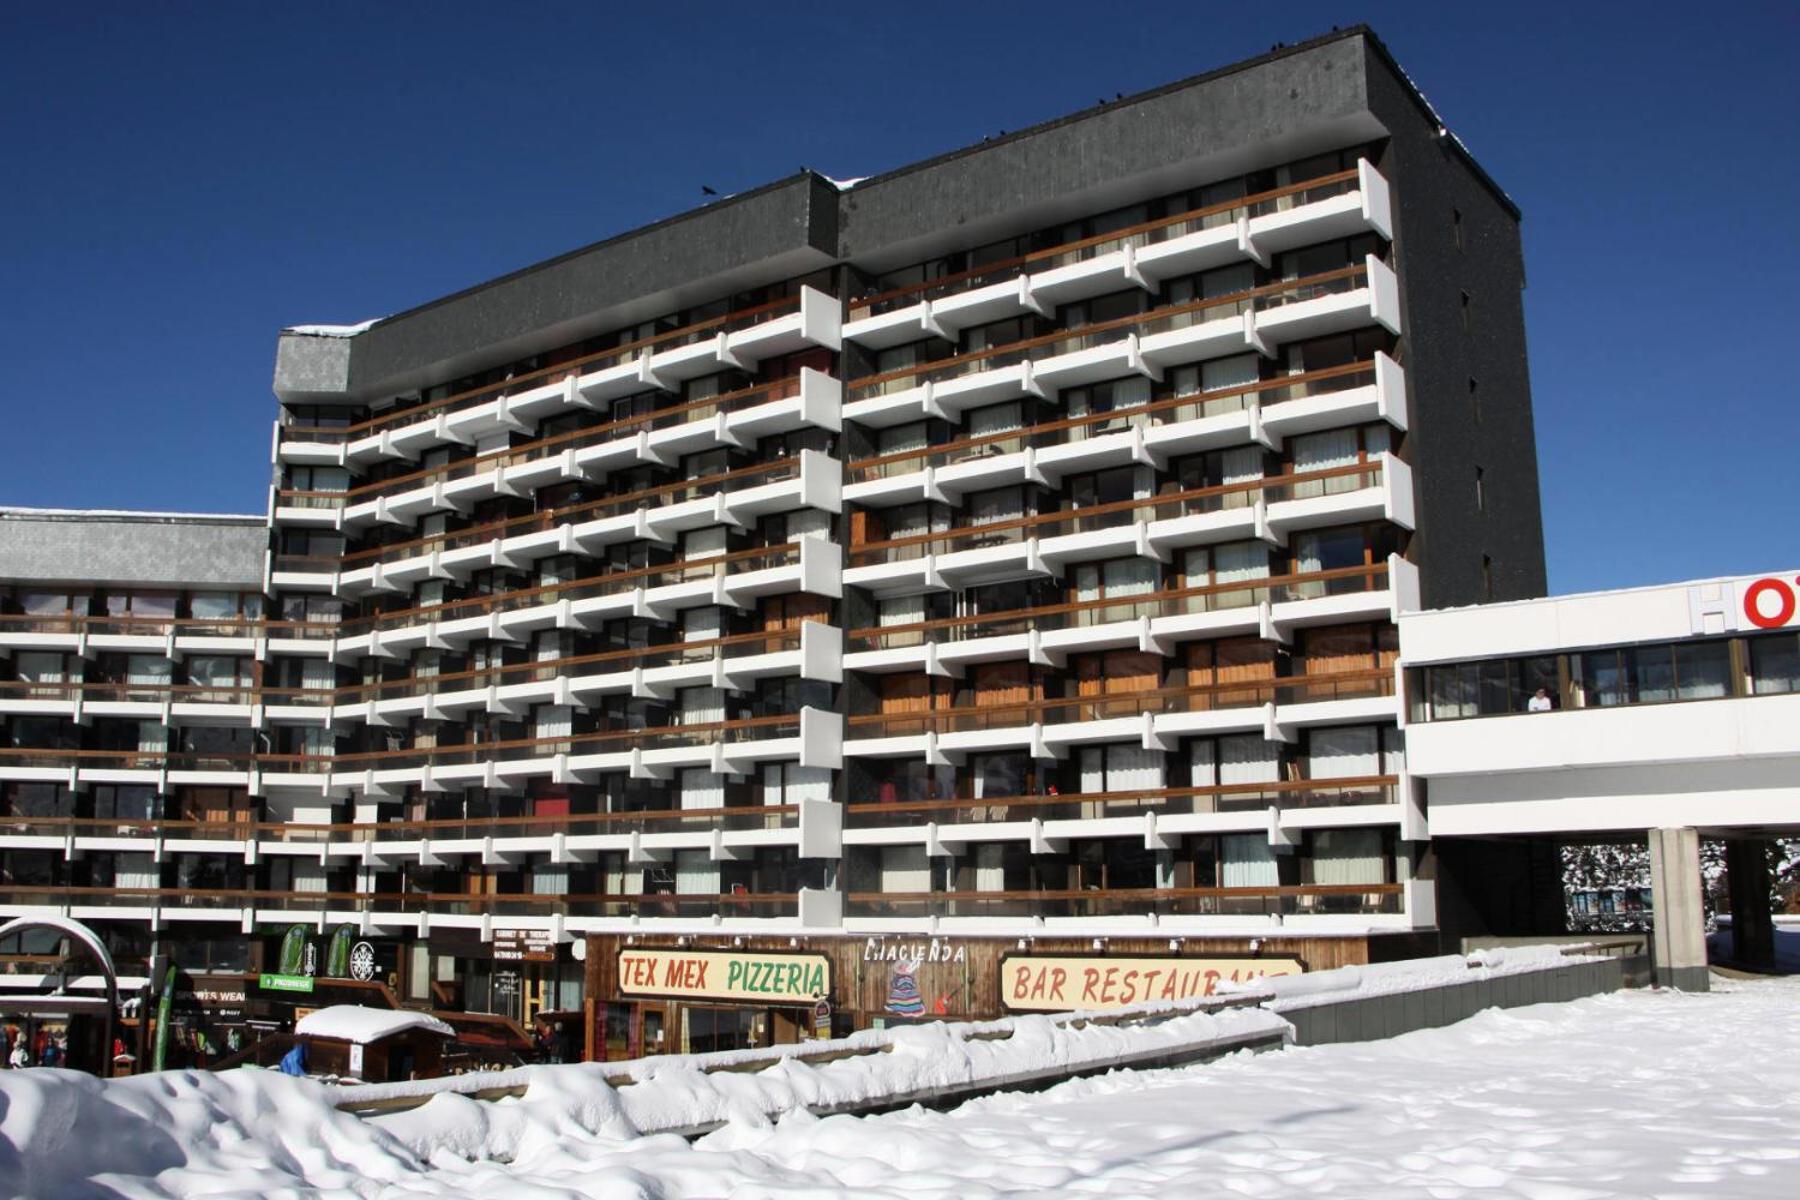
{"x": 1784, "y": 603}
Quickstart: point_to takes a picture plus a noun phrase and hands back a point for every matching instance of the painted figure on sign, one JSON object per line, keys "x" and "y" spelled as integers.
{"x": 903, "y": 990}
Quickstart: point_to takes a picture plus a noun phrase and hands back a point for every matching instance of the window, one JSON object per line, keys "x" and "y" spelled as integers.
{"x": 1775, "y": 664}
{"x": 1487, "y": 577}
{"x": 1474, "y": 400}
{"x": 1480, "y": 490}
{"x": 1342, "y": 857}
{"x": 1655, "y": 674}
{"x": 1456, "y": 227}
{"x": 1468, "y": 319}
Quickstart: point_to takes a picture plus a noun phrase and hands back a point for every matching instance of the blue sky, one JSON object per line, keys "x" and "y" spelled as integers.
{"x": 185, "y": 179}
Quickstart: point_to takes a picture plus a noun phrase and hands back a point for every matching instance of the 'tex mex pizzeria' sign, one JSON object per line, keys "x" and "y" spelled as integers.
{"x": 1066, "y": 983}
{"x": 772, "y": 977}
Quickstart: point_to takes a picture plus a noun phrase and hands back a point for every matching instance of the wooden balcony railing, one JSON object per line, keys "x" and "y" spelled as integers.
{"x": 660, "y": 496}
{"x": 1212, "y": 597}
{"x": 1144, "y": 233}
{"x": 702, "y": 650}
{"x": 607, "y": 741}
{"x": 542, "y": 448}
{"x": 244, "y": 827}
{"x": 599, "y": 360}
{"x": 1171, "y": 801}
{"x": 1190, "y": 502}
{"x": 730, "y": 904}
{"x": 111, "y": 626}
{"x": 1066, "y": 710}
{"x": 1194, "y": 405}
{"x": 1301, "y": 900}
{"x": 1158, "y": 320}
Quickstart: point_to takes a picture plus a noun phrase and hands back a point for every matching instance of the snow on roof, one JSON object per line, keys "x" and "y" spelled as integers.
{"x": 353, "y": 1023}
{"x": 843, "y": 185}
{"x": 339, "y": 331}
{"x": 130, "y": 514}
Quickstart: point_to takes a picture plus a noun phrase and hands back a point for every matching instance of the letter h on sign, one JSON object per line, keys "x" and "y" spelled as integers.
{"x": 1713, "y": 613}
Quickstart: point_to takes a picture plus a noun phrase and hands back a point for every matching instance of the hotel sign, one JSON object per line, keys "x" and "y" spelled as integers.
{"x": 1768, "y": 602}
{"x": 1058, "y": 983}
{"x": 772, "y": 977}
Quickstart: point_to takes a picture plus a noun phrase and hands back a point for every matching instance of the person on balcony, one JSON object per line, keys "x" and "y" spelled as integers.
{"x": 1540, "y": 701}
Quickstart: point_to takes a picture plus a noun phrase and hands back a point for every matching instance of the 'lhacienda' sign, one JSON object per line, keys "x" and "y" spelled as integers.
{"x": 770, "y": 976}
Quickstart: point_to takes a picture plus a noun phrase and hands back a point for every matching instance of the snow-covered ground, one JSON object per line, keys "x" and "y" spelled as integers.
{"x": 1631, "y": 1094}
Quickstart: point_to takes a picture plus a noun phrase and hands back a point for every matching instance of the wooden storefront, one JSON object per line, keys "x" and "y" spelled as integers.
{"x": 666, "y": 988}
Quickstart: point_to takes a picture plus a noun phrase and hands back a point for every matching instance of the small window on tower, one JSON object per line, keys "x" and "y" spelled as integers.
{"x": 1456, "y": 226}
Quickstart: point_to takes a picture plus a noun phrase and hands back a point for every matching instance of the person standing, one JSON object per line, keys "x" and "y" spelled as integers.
{"x": 1540, "y": 702}
{"x": 20, "y": 1057}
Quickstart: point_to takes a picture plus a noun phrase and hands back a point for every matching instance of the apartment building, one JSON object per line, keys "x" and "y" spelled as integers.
{"x": 954, "y": 591}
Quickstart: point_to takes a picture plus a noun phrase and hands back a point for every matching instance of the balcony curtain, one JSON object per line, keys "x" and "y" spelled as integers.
{"x": 902, "y": 438}
{"x": 1321, "y": 452}
{"x": 905, "y": 869}
{"x": 702, "y": 624}
{"x": 1248, "y": 759}
{"x": 149, "y": 671}
{"x": 808, "y": 522}
{"x": 309, "y": 876}
{"x": 549, "y": 879}
{"x": 1247, "y": 860}
{"x": 1005, "y": 504}
{"x": 696, "y": 873}
{"x": 1120, "y": 769}
{"x": 1348, "y": 856}
{"x": 990, "y": 868}
{"x": 554, "y": 720}
{"x": 136, "y": 871}
{"x": 1344, "y": 752}
{"x": 702, "y": 789}
{"x": 318, "y": 673}
{"x": 1129, "y": 576}
{"x": 997, "y": 418}
{"x": 1238, "y": 562}
{"x": 153, "y": 737}
{"x": 702, "y": 706}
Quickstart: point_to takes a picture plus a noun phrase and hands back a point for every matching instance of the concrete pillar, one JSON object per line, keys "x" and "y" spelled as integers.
{"x": 1678, "y": 941}
{"x": 1752, "y": 927}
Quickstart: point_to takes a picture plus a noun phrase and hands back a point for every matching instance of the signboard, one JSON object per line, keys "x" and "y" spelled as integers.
{"x": 285, "y": 983}
{"x": 1768, "y": 602}
{"x": 822, "y": 1019}
{"x": 1059, "y": 983}
{"x": 524, "y": 945}
{"x": 772, "y": 977}
{"x": 356, "y": 1059}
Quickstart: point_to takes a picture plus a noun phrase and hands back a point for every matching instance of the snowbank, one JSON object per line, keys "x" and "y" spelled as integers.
{"x": 1408, "y": 975}
{"x": 333, "y": 331}
{"x": 353, "y": 1023}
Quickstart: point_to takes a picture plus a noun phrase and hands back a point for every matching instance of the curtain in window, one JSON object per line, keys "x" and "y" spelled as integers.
{"x": 997, "y": 418}
{"x": 696, "y": 873}
{"x": 701, "y": 706}
{"x": 1247, "y": 758}
{"x": 702, "y": 789}
{"x": 1247, "y": 860}
{"x": 309, "y": 876}
{"x": 702, "y": 624}
{"x": 808, "y": 522}
{"x": 136, "y": 871}
{"x": 1322, "y": 451}
{"x": 1344, "y": 752}
{"x": 1005, "y": 504}
{"x": 1348, "y": 856}
{"x": 554, "y": 720}
{"x": 153, "y": 737}
{"x": 549, "y": 879}
{"x": 905, "y": 869}
{"x": 901, "y": 438}
{"x": 1240, "y": 465}
{"x": 1130, "y": 576}
{"x": 318, "y": 673}
{"x": 1238, "y": 562}
{"x": 990, "y": 868}
{"x": 1222, "y": 374}
{"x": 808, "y": 783}
{"x": 150, "y": 671}
{"x": 1133, "y": 769}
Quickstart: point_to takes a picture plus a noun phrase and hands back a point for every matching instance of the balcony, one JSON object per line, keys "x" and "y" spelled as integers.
{"x": 1254, "y": 319}
{"x": 1251, "y": 228}
{"x": 240, "y": 905}
{"x": 1299, "y": 901}
{"x": 806, "y": 480}
{"x": 736, "y": 340}
{"x": 737, "y": 579}
{"x": 1154, "y": 717}
{"x": 1269, "y": 508}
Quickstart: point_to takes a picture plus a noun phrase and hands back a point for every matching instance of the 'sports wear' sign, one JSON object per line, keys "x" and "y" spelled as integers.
{"x": 1055, "y": 983}
{"x": 770, "y": 977}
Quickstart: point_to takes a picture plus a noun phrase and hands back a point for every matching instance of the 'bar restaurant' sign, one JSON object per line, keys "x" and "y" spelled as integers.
{"x": 771, "y": 977}
{"x": 1058, "y": 983}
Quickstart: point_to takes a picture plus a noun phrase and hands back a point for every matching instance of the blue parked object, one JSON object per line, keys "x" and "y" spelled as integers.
{"x": 293, "y": 1062}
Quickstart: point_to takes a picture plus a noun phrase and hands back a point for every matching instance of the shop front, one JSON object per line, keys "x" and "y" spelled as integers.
{"x": 668, "y": 995}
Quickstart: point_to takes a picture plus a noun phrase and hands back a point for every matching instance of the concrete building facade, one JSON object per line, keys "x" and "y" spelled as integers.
{"x": 992, "y": 558}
